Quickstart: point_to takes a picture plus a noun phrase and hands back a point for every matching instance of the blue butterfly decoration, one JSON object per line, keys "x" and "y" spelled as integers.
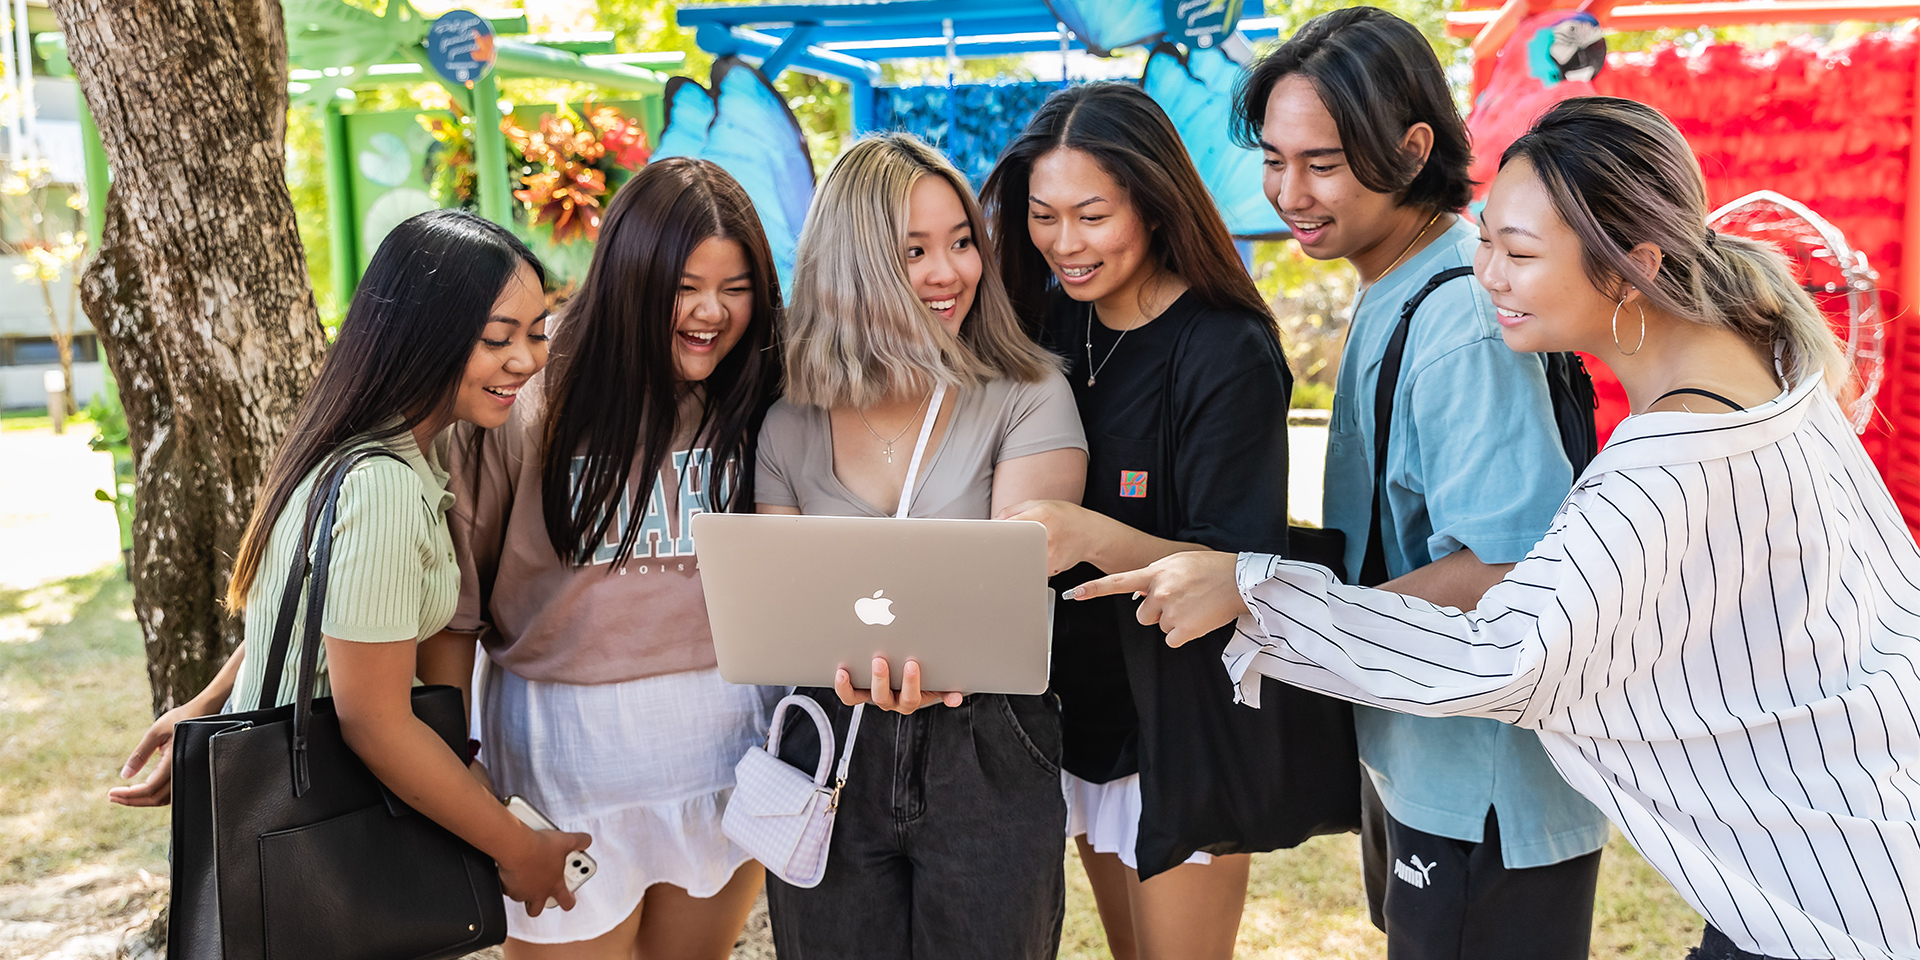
{"x": 742, "y": 124}
{"x": 1196, "y": 91}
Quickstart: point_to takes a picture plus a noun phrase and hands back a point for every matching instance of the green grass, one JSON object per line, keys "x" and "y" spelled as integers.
{"x": 73, "y": 701}
{"x": 35, "y": 418}
{"x": 1307, "y": 903}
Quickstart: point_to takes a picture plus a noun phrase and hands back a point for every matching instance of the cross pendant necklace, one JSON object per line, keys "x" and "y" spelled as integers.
{"x": 885, "y": 444}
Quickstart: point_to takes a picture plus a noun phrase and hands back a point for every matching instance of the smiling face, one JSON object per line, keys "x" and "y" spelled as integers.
{"x": 1531, "y": 264}
{"x": 1310, "y": 183}
{"x": 512, "y": 348}
{"x": 713, "y": 309}
{"x": 1083, "y": 222}
{"x": 943, "y": 261}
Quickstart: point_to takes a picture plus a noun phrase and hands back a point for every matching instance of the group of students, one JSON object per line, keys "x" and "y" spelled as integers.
{"x": 1709, "y": 640}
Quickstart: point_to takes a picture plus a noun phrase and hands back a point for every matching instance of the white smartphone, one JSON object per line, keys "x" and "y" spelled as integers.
{"x": 580, "y": 867}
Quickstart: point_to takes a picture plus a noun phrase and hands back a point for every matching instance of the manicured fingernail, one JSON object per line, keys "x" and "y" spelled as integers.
{"x": 1072, "y": 593}
{"x": 1137, "y": 594}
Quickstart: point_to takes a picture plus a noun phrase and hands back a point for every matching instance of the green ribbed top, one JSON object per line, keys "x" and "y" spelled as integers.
{"x": 392, "y": 577}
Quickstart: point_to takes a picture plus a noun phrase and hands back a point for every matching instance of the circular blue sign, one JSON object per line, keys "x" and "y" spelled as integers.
{"x": 460, "y": 46}
{"x": 1200, "y": 23}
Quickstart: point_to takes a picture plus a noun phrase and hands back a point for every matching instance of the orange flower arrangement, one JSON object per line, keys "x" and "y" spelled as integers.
{"x": 579, "y": 158}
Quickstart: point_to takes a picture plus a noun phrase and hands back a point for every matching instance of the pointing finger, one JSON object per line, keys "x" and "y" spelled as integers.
{"x": 1133, "y": 581}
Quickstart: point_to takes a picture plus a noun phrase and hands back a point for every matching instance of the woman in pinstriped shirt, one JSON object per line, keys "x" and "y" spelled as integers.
{"x": 1718, "y": 641}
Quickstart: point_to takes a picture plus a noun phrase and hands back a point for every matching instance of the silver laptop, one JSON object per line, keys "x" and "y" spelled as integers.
{"x": 793, "y": 599}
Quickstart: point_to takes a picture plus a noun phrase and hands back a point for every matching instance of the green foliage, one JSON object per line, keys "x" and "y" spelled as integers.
{"x": 1310, "y": 299}
{"x": 110, "y": 436}
{"x": 824, "y": 109}
{"x": 307, "y": 182}
{"x": 1312, "y": 395}
{"x": 1429, "y": 15}
{"x": 649, "y": 26}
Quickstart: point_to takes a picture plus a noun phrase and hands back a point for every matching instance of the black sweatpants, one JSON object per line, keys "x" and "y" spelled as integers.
{"x": 1443, "y": 899}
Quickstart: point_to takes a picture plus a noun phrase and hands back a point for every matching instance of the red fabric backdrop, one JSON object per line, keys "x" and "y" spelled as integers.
{"x": 1832, "y": 128}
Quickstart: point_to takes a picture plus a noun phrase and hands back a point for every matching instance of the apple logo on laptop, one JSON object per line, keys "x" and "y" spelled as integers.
{"x": 874, "y": 610}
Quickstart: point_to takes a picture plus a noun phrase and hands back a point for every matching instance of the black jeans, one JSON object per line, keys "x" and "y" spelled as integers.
{"x": 1444, "y": 899}
{"x": 949, "y": 841}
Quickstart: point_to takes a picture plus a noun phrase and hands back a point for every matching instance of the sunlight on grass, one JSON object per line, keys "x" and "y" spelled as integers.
{"x": 1307, "y": 904}
{"x": 73, "y": 700}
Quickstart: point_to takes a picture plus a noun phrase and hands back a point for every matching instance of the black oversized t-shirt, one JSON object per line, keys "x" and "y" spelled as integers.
{"x": 1186, "y": 427}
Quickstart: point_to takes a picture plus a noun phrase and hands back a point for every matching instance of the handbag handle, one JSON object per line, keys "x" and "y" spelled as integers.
{"x": 819, "y": 715}
{"x": 820, "y": 723}
{"x": 322, "y": 507}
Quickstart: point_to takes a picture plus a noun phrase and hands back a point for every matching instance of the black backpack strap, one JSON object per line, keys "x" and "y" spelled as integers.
{"x": 1373, "y": 568}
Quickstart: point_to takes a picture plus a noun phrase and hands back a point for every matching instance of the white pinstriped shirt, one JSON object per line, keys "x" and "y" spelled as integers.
{"x": 1717, "y": 643}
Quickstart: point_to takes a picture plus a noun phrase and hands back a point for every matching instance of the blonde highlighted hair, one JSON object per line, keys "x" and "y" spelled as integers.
{"x": 1620, "y": 174}
{"x": 854, "y": 330}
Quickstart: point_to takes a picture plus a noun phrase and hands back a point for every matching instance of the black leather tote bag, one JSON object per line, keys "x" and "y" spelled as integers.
{"x": 286, "y": 847}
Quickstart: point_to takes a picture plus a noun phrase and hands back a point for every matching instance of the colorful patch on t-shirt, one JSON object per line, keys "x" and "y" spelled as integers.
{"x": 1133, "y": 483}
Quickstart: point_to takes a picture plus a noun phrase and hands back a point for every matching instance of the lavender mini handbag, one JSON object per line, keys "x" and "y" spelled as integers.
{"x": 777, "y": 813}
{"x": 781, "y": 816}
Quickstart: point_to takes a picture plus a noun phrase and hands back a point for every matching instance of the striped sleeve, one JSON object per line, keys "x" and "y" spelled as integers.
{"x": 376, "y": 579}
{"x": 1523, "y": 654}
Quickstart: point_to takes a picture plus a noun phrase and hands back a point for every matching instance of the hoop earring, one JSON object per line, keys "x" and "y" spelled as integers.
{"x": 1616, "y": 328}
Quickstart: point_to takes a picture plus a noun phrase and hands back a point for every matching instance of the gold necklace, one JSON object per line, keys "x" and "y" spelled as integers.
{"x": 884, "y": 442}
{"x": 1361, "y": 298}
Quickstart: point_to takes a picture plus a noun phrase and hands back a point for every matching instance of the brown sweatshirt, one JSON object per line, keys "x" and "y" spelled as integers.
{"x": 546, "y": 619}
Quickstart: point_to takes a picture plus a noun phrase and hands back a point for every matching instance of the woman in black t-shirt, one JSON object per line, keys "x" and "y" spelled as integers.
{"x": 1114, "y": 254}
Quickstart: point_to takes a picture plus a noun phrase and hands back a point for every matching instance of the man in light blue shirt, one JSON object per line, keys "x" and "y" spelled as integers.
{"x": 1474, "y": 845}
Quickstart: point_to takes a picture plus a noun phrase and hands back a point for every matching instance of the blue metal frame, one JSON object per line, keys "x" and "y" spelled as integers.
{"x": 847, "y": 40}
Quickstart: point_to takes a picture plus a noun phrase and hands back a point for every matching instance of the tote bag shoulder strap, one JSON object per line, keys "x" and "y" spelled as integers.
{"x": 323, "y": 498}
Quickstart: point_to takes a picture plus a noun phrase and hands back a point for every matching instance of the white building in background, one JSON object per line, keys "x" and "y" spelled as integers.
{"x": 27, "y": 350}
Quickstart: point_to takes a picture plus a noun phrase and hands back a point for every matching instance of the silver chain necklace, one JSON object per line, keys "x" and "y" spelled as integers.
{"x": 884, "y": 442}
{"x": 1093, "y": 372}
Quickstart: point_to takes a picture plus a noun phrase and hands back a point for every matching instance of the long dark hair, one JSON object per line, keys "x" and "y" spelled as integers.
{"x": 403, "y": 347}
{"x": 1131, "y": 138}
{"x": 611, "y": 384}
{"x": 1378, "y": 76}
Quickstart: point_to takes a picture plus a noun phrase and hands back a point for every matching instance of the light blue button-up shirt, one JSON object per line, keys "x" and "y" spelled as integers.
{"x": 1474, "y": 461}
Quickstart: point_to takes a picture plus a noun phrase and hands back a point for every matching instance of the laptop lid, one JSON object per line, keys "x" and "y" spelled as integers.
{"x": 792, "y": 599}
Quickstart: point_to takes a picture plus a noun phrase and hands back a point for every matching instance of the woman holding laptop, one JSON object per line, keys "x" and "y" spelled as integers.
{"x": 948, "y": 837}
{"x": 1114, "y": 250}
{"x": 602, "y": 705}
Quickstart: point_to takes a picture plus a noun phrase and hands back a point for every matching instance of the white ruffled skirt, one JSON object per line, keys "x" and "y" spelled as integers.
{"x": 644, "y": 766}
{"x": 1109, "y": 814}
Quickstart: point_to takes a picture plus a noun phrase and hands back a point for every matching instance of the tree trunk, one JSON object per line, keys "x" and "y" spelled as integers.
{"x": 198, "y": 291}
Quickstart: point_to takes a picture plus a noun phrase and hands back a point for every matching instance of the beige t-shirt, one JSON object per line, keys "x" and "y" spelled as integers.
{"x": 1000, "y": 420}
{"x": 548, "y": 620}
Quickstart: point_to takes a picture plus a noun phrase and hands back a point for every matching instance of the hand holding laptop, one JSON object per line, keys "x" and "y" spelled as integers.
{"x": 880, "y": 693}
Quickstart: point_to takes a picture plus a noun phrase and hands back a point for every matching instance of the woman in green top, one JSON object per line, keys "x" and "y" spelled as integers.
{"x": 447, "y": 325}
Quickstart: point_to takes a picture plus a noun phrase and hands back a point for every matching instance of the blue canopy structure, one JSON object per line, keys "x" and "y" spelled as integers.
{"x": 849, "y": 40}
{"x": 1197, "y": 44}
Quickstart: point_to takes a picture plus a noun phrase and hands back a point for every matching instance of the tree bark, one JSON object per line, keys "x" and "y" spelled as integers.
{"x": 199, "y": 293}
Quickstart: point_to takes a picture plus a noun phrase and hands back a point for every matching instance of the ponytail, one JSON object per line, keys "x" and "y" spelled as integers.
{"x": 1620, "y": 174}
{"x": 1747, "y": 287}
